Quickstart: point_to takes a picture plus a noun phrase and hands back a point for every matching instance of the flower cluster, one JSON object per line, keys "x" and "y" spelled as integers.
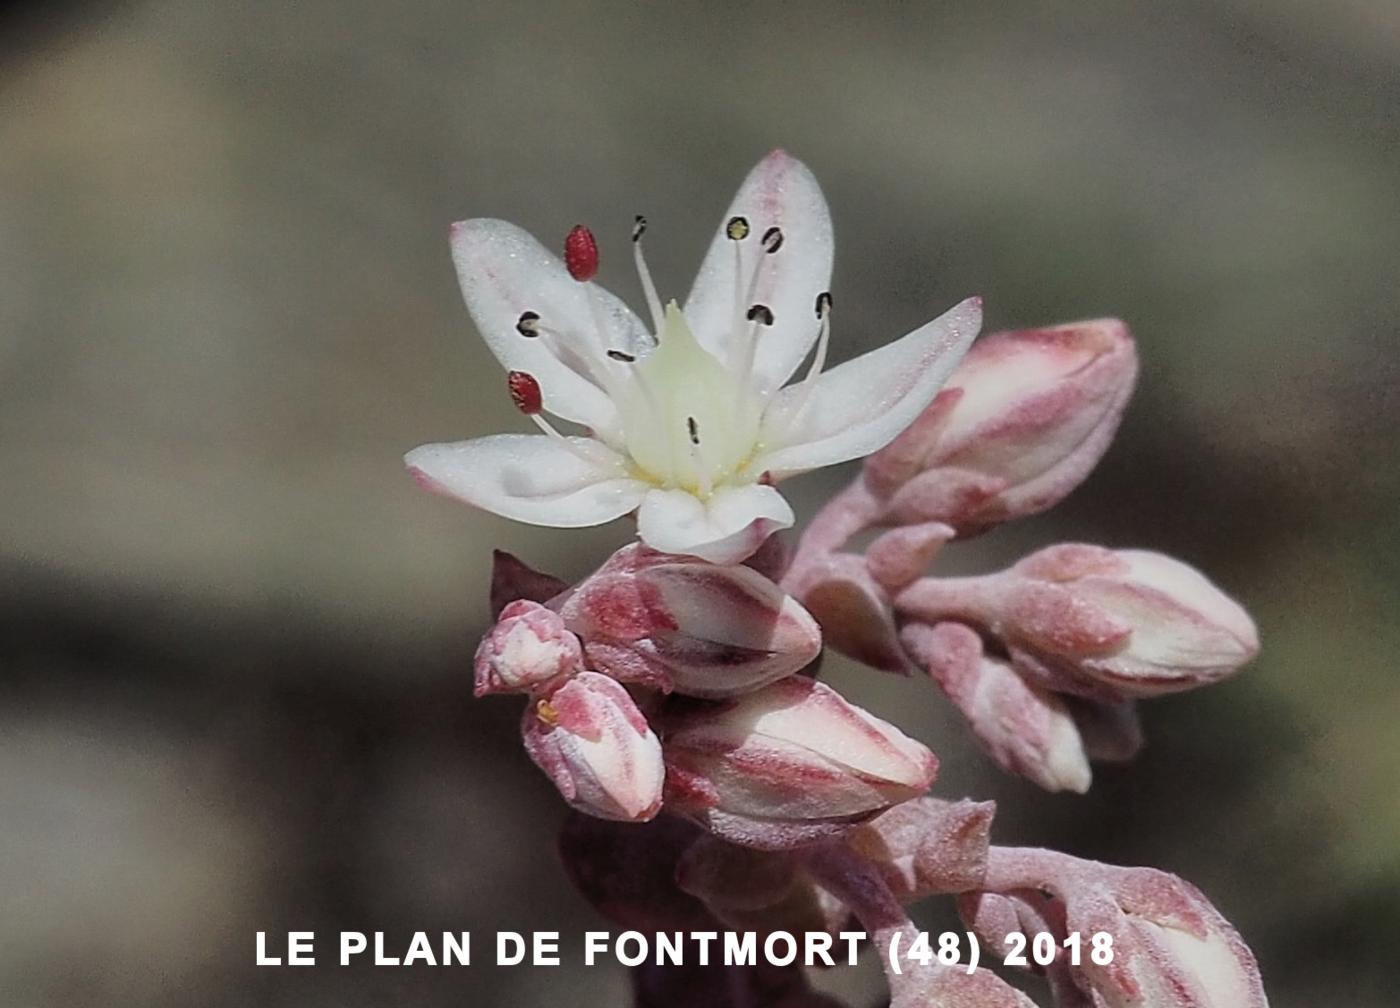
{"x": 672, "y": 696}
{"x": 1047, "y": 659}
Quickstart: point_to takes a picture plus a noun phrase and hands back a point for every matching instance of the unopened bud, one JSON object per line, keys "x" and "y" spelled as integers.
{"x": 591, "y": 740}
{"x": 1028, "y": 731}
{"x": 1021, "y": 422}
{"x": 1107, "y": 625}
{"x": 528, "y": 649}
{"x": 758, "y": 890}
{"x": 701, "y": 629}
{"x": 1122, "y": 623}
{"x": 926, "y": 846}
{"x": 790, "y": 764}
{"x": 1171, "y": 947}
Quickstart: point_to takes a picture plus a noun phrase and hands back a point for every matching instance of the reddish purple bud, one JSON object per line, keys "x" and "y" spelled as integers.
{"x": 512, "y": 578}
{"x": 1021, "y": 422}
{"x": 525, "y": 392}
{"x": 581, "y": 254}
{"x": 527, "y": 650}
{"x": 1028, "y": 731}
{"x": 790, "y": 764}
{"x": 702, "y": 629}
{"x": 591, "y": 740}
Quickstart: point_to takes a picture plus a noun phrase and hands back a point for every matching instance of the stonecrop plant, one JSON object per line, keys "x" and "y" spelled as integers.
{"x": 673, "y": 695}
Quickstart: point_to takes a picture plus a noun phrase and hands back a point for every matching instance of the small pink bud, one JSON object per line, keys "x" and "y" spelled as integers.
{"x": 1021, "y": 422}
{"x": 581, "y": 253}
{"x": 926, "y": 846}
{"x": 790, "y": 764}
{"x": 1112, "y": 625}
{"x": 702, "y": 629}
{"x": 528, "y": 649}
{"x": 852, "y": 609}
{"x": 1028, "y": 731}
{"x": 590, "y": 739}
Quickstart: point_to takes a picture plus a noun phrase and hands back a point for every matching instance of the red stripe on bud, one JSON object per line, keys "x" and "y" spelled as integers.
{"x": 581, "y": 254}
{"x": 525, "y": 392}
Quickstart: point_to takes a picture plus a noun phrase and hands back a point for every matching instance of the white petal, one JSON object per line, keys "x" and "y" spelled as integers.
{"x": 504, "y": 272}
{"x": 725, "y": 529}
{"x": 860, "y": 406}
{"x": 779, "y": 192}
{"x": 529, "y": 477}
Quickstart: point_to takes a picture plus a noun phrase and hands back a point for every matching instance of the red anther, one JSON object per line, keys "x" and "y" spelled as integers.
{"x": 525, "y": 392}
{"x": 581, "y": 254}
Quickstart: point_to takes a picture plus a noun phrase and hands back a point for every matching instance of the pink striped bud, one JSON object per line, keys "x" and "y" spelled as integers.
{"x": 1117, "y": 624}
{"x": 591, "y": 740}
{"x": 1107, "y": 625}
{"x": 698, "y": 628}
{"x": 528, "y": 649}
{"x": 1021, "y": 422}
{"x": 790, "y": 764}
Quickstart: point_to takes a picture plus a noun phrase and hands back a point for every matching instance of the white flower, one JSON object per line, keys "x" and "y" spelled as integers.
{"x": 692, "y": 425}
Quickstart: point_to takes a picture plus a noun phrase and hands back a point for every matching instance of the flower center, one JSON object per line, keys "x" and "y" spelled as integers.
{"x": 690, "y": 420}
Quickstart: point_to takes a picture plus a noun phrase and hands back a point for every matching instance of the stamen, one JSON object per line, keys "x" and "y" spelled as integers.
{"x": 581, "y": 254}
{"x": 772, "y": 239}
{"x": 527, "y": 325}
{"x": 818, "y": 360}
{"x": 737, "y": 229}
{"x": 697, "y": 459}
{"x": 639, "y": 227}
{"x": 525, "y": 392}
{"x": 761, "y": 314}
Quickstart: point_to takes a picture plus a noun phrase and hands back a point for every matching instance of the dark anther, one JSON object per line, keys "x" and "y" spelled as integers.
{"x": 621, "y": 355}
{"x": 772, "y": 240}
{"x": 760, "y": 313}
{"x": 694, "y": 429}
{"x": 737, "y": 229}
{"x": 526, "y": 324}
{"x": 823, "y": 303}
{"x": 639, "y": 227}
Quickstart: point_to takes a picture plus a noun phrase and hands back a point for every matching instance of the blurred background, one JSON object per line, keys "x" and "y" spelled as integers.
{"x": 234, "y": 689}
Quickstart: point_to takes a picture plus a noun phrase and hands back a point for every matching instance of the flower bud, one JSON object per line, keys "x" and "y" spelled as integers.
{"x": 1021, "y": 422}
{"x": 1171, "y": 947}
{"x": 591, "y": 740}
{"x": 853, "y": 610}
{"x": 699, "y": 628}
{"x": 926, "y": 846}
{"x": 1028, "y": 731}
{"x": 1106, "y": 625}
{"x": 527, "y": 649}
{"x": 1119, "y": 624}
{"x": 790, "y": 764}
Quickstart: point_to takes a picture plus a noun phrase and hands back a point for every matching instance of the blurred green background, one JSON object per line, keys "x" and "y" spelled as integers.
{"x": 234, "y": 687}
